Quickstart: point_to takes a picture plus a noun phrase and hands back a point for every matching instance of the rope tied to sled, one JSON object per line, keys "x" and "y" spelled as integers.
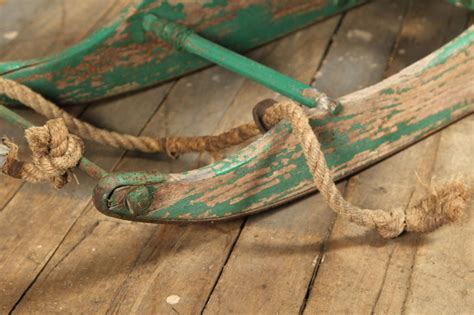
{"x": 54, "y": 153}
{"x": 173, "y": 146}
{"x": 53, "y": 160}
{"x": 443, "y": 205}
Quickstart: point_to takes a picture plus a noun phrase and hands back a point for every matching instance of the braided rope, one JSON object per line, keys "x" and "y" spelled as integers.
{"x": 442, "y": 206}
{"x": 54, "y": 151}
{"x": 50, "y": 154}
{"x": 173, "y": 146}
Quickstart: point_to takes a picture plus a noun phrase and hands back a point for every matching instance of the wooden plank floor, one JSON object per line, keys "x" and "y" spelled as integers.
{"x": 59, "y": 255}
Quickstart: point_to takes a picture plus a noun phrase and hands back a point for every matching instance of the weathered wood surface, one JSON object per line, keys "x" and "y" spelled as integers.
{"x": 360, "y": 272}
{"x": 121, "y": 56}
{"x": 35, "y": 218}
{"x": 374, "y": 123}
{"x": 273, "y": 262}
{"x": 68, "y": 259}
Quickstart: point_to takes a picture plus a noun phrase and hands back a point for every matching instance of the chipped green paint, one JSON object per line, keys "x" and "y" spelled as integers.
{"x": 270, "y": 172}
{"x": 392, "y": 105}
{"x": 190, "y": 209}
{"x": 273, "y": 169}
{"x": 216, "y": 3}
{"x": 122, "y": 57}
{"x": 458, "y": 44}
{"x": 388, "y": 91}
{"x": 391, "y": 91}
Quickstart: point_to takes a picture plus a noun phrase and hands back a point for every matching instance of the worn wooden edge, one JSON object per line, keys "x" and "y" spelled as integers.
{"x": 400, "y": 181}
{"x": 122, "y": 57}
{"x": 376, "y": 122}
{"x": 285, "y": 247}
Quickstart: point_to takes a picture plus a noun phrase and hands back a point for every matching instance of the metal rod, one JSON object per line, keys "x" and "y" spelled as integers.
{"x": 183, "y": 38}
{"x": 90, "y": 168}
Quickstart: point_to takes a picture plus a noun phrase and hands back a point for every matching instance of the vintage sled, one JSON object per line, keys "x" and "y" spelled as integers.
{"x": 368, "y": 126}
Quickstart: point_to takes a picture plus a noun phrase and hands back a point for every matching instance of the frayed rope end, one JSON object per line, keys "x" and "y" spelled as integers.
{"x": 444, "y": 205}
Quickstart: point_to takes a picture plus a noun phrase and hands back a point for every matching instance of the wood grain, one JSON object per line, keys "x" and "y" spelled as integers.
{"x": 360, "y": 272}
{"x": 37, "y": 31}
{"x": 274, "y": 259}
{"x": 35, "y": 219}
{"x": 154, "y": 262}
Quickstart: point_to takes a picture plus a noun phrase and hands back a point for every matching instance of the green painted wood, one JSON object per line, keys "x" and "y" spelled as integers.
{"x": 121, "y": 57}
{"x": 463, "y": 3}
{"x": 375, "y": 122}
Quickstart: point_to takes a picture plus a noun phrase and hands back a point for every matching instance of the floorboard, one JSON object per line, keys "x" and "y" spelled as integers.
{"x": 360, "y": 272}
{"x": 273, "y": 262}
{"x": 59, "y": 255}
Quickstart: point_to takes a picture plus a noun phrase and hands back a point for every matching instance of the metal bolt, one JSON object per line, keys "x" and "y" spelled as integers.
{"x": 138, "y": 200}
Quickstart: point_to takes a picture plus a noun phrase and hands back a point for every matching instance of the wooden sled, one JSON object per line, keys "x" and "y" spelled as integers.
{"x": 373, "y": 123}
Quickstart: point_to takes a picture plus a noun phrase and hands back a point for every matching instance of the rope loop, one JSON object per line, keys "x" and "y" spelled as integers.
{"x": 443, "y": 206}
{"x": 56, "y": 152}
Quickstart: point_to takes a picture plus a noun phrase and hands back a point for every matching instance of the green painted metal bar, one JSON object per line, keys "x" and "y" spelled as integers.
{"x": 90, "y": 168}
{"x": 183, "y": 38}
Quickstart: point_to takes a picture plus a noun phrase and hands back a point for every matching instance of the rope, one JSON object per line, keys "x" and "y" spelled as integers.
{"x": 173, "y": 146}
{"x": 442, "y": 206}
{"x": 55, "y": 155}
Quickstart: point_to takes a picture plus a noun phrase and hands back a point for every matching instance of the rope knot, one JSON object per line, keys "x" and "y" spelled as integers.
{"x": 391, "y": 224}
{"x": 55, "y": 153}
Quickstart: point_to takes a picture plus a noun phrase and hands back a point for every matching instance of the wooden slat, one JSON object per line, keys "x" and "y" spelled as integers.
{"x": 442, "y": 278}
{"x": 116, "y": 265}
{"x": 361, "y": 273}
{"x": 272, "y": 264}
{"x": 36, "y": 219}
{"x": 135, "y": 267}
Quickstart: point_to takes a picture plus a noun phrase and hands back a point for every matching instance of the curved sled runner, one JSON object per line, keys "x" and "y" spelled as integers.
{"x": 374, "y": 122}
